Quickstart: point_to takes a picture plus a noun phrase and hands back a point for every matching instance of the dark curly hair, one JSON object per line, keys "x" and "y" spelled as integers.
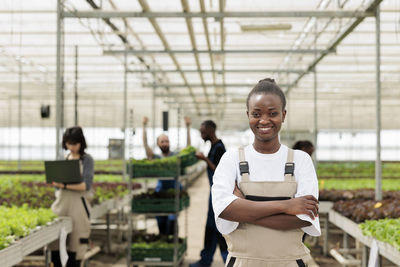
{"x": 267, "y": 86}
{"x": 303, "y": 144}
{"x": 74, "y": 135}
{"x": 209, "y": 124}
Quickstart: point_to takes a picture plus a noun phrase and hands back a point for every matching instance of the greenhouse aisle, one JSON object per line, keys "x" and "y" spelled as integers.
{"x": 197, "y": 215}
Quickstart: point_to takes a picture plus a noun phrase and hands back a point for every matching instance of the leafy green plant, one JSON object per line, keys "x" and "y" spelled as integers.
{"x": 359, "y": 183}
{"x": 360, "y": 169}
{"x": 14, "y": 192}
{"x": 386, "y": 230}
{"x": 164, "y": 167}
{"x": 17, "y": 222}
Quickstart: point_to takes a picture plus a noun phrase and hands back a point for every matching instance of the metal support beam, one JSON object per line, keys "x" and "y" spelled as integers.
{"x": 207, "y": 35}
{"x": 59, "y": 77}
{"x": 19, "y": 114}
{"x": 125, "y": 115}
{"x": 219, "y": 71}
{"x": 76, "y": 87}
{"x": 219, "y": 15}
{"x": 221, "y": 110}
{"x": 240, "y": 51}
{"x": 189, "y": 25}
{"x": 378, "y": 163}
{"x": 337, "y": 40}
{"x": 315, "y": 87}
{"x": 157, "y": 29}
{"x": 171, "y": 85}
{"x": 154, "y": 112}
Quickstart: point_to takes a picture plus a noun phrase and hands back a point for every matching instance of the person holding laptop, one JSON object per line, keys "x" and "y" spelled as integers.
{"x": 72, "y": 199}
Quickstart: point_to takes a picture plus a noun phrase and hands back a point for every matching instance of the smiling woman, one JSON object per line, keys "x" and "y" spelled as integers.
{"x": 265, "y": 195}
{"x": 266, "y": 112}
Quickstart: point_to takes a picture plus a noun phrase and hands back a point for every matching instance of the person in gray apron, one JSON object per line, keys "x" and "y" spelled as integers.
{"x": 265, "y": 195}
{"x": 73, "y": 200}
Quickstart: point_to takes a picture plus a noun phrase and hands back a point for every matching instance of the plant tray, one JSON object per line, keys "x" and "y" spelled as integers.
{"x": 151, "y": 171}
{"x": 158, "y": 254}
{"x": 159, "y": 205}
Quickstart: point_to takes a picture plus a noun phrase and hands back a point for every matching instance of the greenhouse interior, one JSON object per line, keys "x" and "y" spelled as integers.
{"x": 178, "y": 133}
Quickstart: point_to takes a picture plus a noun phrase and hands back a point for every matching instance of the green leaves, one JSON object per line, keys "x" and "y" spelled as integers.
{"x": 164, "y": 167}
{"x": 356, "y": 169}
{"x": 358, "y": 183}
{"x": 25, "y": 189}
{"x": 17, "y": 222}
{"x": 386, "y": 230}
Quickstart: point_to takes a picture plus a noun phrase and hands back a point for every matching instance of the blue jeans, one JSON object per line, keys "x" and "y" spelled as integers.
{"x": 166, "y": 224}
{"x": 212, "y": 238}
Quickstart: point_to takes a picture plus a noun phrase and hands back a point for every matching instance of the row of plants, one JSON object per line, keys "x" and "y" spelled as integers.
{"x": 385, "y": 230}
{"x": 362, "y": 210}
{"x": 17, "y": 222}
{"x": 164, "y": 167}
{"x": 153, "y": 247}
{"x": 360, "y": 183}
{"x": 38, "y": 165}
{"x": 356, "y": 169}
{"x": 41, "y": 195}
{"x": 41, "y": 178}
{"x": 366, "y": 194}
{"x": 361, "y": 188}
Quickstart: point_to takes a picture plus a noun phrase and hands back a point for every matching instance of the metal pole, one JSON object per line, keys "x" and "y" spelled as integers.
{"x": 325, "y": 248}
{"x": 125, "y": 100}
{"x": 315, "y": 97}
{"x": 59, "y": 76}
{"x": 378, "y": 163}
{"x": 219, "y": 15}
{"x": 19, "y": 114}
{"x": 178, "y": 127}
{"x": 177, "y": 193}
{"x": 76, "y": 87}
{"x": 153, "y": 108}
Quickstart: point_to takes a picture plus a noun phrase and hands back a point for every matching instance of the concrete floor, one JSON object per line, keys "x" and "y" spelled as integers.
{"x": 197, "y": 216}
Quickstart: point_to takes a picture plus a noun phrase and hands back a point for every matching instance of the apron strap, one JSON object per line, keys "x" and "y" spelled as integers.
{"x": 243, "y": 166}
{"x": 289, "y": 167}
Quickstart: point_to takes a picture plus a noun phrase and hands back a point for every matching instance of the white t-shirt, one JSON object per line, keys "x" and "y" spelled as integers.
{"x": 262, "y": 167}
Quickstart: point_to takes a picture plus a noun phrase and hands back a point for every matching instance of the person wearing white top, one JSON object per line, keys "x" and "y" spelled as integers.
{"x": 265, "y": 195}
{"x": 262, "y": 167}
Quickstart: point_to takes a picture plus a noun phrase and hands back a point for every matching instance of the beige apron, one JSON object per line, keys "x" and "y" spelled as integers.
{"x": 256, "y": 246}
{"x": 74, "y": 204}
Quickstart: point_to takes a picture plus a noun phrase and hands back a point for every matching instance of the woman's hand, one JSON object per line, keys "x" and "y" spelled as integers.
{"x": 237, "y": 192}
{"x": 302, "y": 205}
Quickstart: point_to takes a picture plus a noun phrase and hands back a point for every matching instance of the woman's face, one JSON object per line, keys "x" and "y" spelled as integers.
{"x": 73, "y": 147}
{"x": 265, "y": 116}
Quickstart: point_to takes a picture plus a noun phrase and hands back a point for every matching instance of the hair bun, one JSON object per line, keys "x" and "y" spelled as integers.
{"x": 267, "y": 80}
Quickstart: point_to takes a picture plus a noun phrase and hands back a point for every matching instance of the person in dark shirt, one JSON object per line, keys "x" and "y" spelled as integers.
{"x": 212, "y": 235}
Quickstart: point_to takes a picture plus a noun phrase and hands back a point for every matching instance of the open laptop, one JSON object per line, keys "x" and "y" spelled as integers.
{"x": 63, "y": 171}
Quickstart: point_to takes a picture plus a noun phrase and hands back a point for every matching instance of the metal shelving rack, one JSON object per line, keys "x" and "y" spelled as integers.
{"x": 34, "y": 241}
{"x": 176, "y": 261}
